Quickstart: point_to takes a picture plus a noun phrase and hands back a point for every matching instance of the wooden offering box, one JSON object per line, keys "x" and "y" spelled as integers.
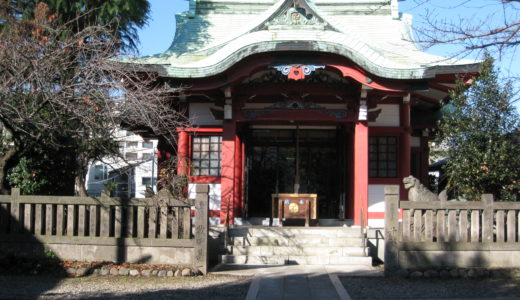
{"x": 294, "y": 206}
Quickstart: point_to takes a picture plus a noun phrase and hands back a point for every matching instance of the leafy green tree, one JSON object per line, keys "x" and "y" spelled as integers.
{"x": 43, "y": 170}
{"x": 121, "y": 17}
{"x": 476, "y": 137}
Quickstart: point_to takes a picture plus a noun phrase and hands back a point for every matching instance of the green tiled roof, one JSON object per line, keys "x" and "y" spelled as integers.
{"x": 215, "y": 34}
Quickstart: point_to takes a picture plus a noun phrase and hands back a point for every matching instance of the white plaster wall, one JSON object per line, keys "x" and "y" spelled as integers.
{"x": 376, "y": 203}
{"x": 389, "y": 116}
{"x": 214, "y": 221}
{"x": 201, "y": 115}
{"x": 214, "y": 194}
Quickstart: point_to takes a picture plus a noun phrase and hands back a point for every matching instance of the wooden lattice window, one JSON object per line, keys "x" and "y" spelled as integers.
{"x": 383, "y": 156}
{"x": 205, "y": 156}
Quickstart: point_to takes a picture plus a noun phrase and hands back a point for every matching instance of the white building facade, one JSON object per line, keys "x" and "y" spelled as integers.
{"x": 129, "y": 174}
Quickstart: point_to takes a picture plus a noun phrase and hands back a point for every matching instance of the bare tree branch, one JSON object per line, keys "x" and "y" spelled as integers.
{"x": 66, "y": 90}
{"x": 498, "y": 30}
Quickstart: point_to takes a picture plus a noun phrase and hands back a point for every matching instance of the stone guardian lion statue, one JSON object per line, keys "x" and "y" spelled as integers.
{"x": 418, "y": 192}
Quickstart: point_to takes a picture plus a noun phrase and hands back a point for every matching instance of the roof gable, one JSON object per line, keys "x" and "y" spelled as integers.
{"x": 295, "y": 15}
{"x": 216, "y": 34}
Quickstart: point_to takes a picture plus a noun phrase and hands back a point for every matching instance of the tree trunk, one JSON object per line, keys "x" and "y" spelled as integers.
{"x": 79, "y": 182}
{"x": 4, "y": 160}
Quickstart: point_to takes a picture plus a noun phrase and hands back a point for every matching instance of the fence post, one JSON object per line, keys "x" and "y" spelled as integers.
{"x": 487, "y": 218}
{"x": 16, "y": 226}
{"x": 201, "y": 228}
{"x": 391, "y": 229}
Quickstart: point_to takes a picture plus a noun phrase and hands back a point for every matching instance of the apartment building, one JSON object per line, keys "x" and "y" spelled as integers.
{"x": 131, "y": 172}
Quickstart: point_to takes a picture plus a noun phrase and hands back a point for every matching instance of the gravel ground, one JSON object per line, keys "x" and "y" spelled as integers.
{"x": 103, "y": 287}
{"x": 398, "y": 288}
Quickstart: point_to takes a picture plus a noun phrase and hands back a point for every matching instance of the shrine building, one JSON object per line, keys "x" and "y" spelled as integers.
{"x": 324, "y": 97}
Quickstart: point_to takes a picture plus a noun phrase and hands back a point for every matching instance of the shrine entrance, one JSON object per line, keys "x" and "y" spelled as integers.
{"x": 292, "y": 159}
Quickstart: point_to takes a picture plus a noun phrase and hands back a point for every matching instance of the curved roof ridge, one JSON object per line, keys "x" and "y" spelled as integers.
{"x": 217, "y": 37}
{"x": 275, "y": 8}
{"x": 278, "y": 9}
{"x": 260, "y": 42}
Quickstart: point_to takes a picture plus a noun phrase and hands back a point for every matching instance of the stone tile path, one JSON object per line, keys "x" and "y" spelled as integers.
{"x": 298, "y": 282}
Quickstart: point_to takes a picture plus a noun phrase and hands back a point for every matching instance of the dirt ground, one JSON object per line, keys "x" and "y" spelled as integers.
{"x": 116, "y": 287}
{"x": 430, "y": 288}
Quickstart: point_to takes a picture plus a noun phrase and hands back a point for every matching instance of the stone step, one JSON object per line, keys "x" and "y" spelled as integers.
{"x": 296, "y": 241}
{"x": 296, "y": 260}
{"x": 295, "y": 251}
{"x": 329, "y": 232}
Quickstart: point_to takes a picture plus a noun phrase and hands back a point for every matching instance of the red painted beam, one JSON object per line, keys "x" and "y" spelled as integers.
{"x": 361, "y": 77}
{"x": 204, "y": 179}
{"x": 235, "y": 74}
{"x": 204, "y": 129}
{"x": 360, "y": 171}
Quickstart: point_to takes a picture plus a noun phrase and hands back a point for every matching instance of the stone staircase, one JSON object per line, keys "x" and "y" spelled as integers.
{"x": 296, "y": 245}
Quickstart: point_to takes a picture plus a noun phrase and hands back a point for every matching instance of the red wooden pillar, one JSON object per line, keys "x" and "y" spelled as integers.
{"x": 237, "y": 177}
{"x": 405, "y": 150}
{"x": 360, "y": 171}
{"x": 228, "y": 171}
{"x": 182, "y": 152}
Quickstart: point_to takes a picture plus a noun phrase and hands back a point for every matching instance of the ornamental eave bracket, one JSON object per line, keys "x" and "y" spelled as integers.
{"x": 297, "y": 72}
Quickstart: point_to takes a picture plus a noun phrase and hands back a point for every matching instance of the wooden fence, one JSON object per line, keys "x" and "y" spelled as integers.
{"x": 150, "y": 230}
{"x": 451, "y": 234}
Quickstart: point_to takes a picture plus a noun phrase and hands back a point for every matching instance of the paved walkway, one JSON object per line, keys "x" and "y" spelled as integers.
{"x": 297, "y": 282}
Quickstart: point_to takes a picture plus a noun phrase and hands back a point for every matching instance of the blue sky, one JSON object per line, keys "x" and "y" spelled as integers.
{"x": 158, "y": 35}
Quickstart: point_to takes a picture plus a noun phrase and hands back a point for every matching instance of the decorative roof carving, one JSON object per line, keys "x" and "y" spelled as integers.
{"x": 294, "y": 104}
{"x": 297, "y": 16}
{"x": 331, "y": 114}
{"x": 297, "y": 72}
{"x": 315, "y": 76}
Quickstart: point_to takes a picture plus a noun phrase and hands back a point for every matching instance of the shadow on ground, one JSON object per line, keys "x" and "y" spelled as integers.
{"x": 428, "y": 288}
{"x": 22, "y": 253}
{"x": 109, "y": 287}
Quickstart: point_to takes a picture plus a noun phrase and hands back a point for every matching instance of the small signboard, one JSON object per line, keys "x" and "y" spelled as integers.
{"x": 294, "y": 206}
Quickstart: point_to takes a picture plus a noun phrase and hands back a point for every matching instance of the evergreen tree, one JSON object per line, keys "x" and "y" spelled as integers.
{"x": 476, "y": 137}
{"x": 121, "y": 17}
